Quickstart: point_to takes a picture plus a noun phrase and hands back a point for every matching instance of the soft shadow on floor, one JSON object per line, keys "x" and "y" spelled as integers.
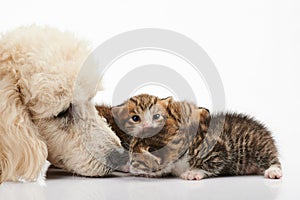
{"x": 66, "y": 186}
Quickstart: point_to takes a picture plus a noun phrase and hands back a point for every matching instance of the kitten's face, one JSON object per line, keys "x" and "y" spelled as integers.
{"x": 155, "y": 155}
{"x": 141, "y": 116}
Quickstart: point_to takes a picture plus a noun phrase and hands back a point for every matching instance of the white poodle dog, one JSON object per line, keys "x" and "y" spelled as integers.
{"x": 40, "y": 116}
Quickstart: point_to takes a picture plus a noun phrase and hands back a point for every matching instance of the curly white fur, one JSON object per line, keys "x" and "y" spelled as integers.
{"x": 38, "y": 69}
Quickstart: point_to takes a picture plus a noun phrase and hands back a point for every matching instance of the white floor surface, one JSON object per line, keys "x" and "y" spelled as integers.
{"x": 65, "y": 186}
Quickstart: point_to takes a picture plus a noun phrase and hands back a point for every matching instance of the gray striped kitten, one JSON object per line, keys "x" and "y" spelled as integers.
{"x": 181, "y": 139}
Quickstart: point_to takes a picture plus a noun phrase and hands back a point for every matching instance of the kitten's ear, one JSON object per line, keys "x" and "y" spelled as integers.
{"x": 120, "y": 113}
{"x": 204, "y": 118}
{"x": 167, "y": 101}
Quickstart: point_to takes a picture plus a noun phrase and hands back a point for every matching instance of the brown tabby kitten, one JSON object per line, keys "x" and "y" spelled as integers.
{"x": 179, "y": 138}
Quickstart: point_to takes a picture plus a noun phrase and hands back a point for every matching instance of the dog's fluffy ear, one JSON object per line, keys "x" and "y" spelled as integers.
{"x": 18, "y": 160}
{"x": 204, "y": 118}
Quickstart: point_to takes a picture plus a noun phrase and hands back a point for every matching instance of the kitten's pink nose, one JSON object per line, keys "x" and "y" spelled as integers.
{"x": 147, "y": 124}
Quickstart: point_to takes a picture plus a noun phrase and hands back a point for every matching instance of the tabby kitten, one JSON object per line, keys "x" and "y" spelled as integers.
{"x": 179, "y": 138}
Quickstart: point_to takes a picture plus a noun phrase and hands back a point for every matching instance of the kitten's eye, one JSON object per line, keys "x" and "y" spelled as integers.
{"x": 135, "y": 118}
{"x": 156, "y": 116}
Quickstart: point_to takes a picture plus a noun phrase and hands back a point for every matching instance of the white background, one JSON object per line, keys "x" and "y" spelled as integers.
{"x": 255, "y": 46}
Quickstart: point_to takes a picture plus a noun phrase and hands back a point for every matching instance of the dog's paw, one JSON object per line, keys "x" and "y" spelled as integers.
{"x": 195, "y": 174}
{"x": 42, "y": 176}
{"x": 23, "y": 180}
{"x": 273, "y": 172}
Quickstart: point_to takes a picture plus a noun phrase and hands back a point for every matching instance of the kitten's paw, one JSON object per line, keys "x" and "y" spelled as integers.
{"x": 195, "y": 174}
{"x": 151, "y": 176}
{"x": 273, "y": 172}
{"x": 125, "y": 168}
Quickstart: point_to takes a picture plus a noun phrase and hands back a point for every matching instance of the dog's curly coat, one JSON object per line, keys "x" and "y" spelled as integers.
{"x": 38, "y": 69}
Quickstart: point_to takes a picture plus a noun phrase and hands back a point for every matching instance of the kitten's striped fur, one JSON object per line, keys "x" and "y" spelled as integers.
{"x": 193, "y": 144}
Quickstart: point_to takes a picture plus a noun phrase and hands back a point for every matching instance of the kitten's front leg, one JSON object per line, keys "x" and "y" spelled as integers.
{"x": 182, "y": 169}
{"x": 195, "y": 174}
{"x": 273, "y": 172}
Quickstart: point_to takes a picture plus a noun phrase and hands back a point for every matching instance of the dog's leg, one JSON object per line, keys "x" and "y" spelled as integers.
{"x": 22, "y": 152}
{"x": 42, "y": 176}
